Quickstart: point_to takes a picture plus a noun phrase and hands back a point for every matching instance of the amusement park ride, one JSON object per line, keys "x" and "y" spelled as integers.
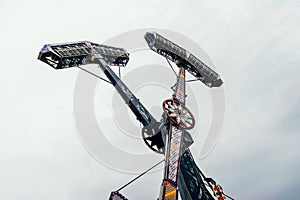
{"x": 170, "y": 135}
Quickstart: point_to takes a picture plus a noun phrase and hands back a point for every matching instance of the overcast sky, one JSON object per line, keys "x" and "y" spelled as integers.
{"x": 254, "y": 45}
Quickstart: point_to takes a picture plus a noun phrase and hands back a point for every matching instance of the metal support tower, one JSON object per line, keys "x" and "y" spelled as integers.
{"x": 169, "y": 188}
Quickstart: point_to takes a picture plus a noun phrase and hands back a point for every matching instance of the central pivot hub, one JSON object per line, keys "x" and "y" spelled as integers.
{"x": 179, "y": 114}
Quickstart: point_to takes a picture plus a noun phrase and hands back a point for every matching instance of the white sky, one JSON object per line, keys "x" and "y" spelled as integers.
{"x": 254, "y": 45}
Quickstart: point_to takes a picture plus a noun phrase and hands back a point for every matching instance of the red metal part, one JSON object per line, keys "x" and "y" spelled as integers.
{"x": 189, "y": 124}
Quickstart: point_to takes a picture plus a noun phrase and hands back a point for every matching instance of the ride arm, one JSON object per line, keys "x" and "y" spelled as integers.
{"x": 67, "y": 55}
{"x": 138, "y": 109}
